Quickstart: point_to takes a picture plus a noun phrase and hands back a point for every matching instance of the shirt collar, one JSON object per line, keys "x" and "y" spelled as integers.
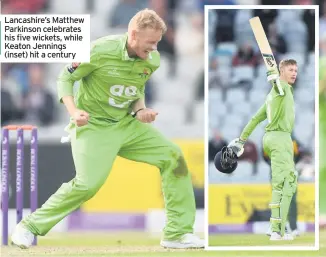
{"x": 125, "y": 55}
{"x": 288, "y": 85}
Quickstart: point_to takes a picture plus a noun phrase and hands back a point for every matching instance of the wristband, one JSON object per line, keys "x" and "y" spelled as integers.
{"x": 135, "y": 114}
{"x": 242, "y": 141}
{"x": 71, "y": 69}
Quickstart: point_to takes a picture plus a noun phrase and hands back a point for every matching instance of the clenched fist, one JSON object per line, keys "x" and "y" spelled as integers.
{"x": 81, "y": 118}
{"x": 146, "y": 115}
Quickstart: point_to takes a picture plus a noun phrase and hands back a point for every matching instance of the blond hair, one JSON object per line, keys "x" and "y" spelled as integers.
{"x": 148, "y": 19}
{"x": 287, "y": 62}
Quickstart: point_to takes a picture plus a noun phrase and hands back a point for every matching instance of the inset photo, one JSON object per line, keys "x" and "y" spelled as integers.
{"x": 262, "y": 165}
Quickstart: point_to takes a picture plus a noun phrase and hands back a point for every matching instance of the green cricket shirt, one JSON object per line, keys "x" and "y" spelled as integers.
{"x": 278, "y": 110}
{"x": 110, "y": 82}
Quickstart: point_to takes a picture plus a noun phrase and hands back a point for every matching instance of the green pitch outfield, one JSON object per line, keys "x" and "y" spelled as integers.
{"x": 308, "y": 239}
{"x": 137, "y": 244}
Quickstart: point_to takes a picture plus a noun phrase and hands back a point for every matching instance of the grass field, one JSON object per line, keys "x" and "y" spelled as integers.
{"x": 307, "y": 239}
{"x": 139, "y": 244}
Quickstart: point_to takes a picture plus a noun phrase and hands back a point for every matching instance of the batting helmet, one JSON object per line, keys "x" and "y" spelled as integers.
{"x": 226, "y": 161}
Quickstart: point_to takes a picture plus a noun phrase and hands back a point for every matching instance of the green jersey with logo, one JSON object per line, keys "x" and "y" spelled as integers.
{"x": 110, "y": 82}
{"x": 278, "y": 110}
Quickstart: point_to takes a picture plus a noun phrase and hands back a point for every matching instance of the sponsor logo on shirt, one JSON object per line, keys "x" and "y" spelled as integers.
{"x": 144, "y": 74}
{"x": 114, "y": 72}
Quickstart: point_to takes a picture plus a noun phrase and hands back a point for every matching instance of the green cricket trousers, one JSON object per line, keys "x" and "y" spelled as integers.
{"x": 279, "y": 146}
{"x": 94, "y": 149}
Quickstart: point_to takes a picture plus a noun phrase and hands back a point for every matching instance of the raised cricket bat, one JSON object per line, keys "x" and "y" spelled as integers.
{"x": 265, "y": 48}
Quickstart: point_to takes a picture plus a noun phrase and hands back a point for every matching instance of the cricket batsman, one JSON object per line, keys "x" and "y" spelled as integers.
{"x": 109, "y": 118}
{"x": 279, "y": 110}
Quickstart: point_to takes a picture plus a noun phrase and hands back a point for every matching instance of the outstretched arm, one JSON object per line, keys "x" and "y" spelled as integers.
{"x": 252, "y": 124}
{"x": 238, "y": 143}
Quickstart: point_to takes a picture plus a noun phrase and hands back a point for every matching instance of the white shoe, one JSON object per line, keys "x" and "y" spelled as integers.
{"x": 269, "y": 231}
{"x": 186, "y": 241}
{"x": 22, "y": 237}
{"x": 287, "y": 236}
{"x": 296, "y": 233}
{"x": 275, "y": 236}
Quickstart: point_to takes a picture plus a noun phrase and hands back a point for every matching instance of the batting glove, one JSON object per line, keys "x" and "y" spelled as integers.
{"x": 237, "y": 146}
{"x": 272, "y": 76}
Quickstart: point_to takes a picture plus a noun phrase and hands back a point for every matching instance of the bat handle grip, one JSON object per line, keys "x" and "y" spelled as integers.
{"x": 279, "y": 87}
